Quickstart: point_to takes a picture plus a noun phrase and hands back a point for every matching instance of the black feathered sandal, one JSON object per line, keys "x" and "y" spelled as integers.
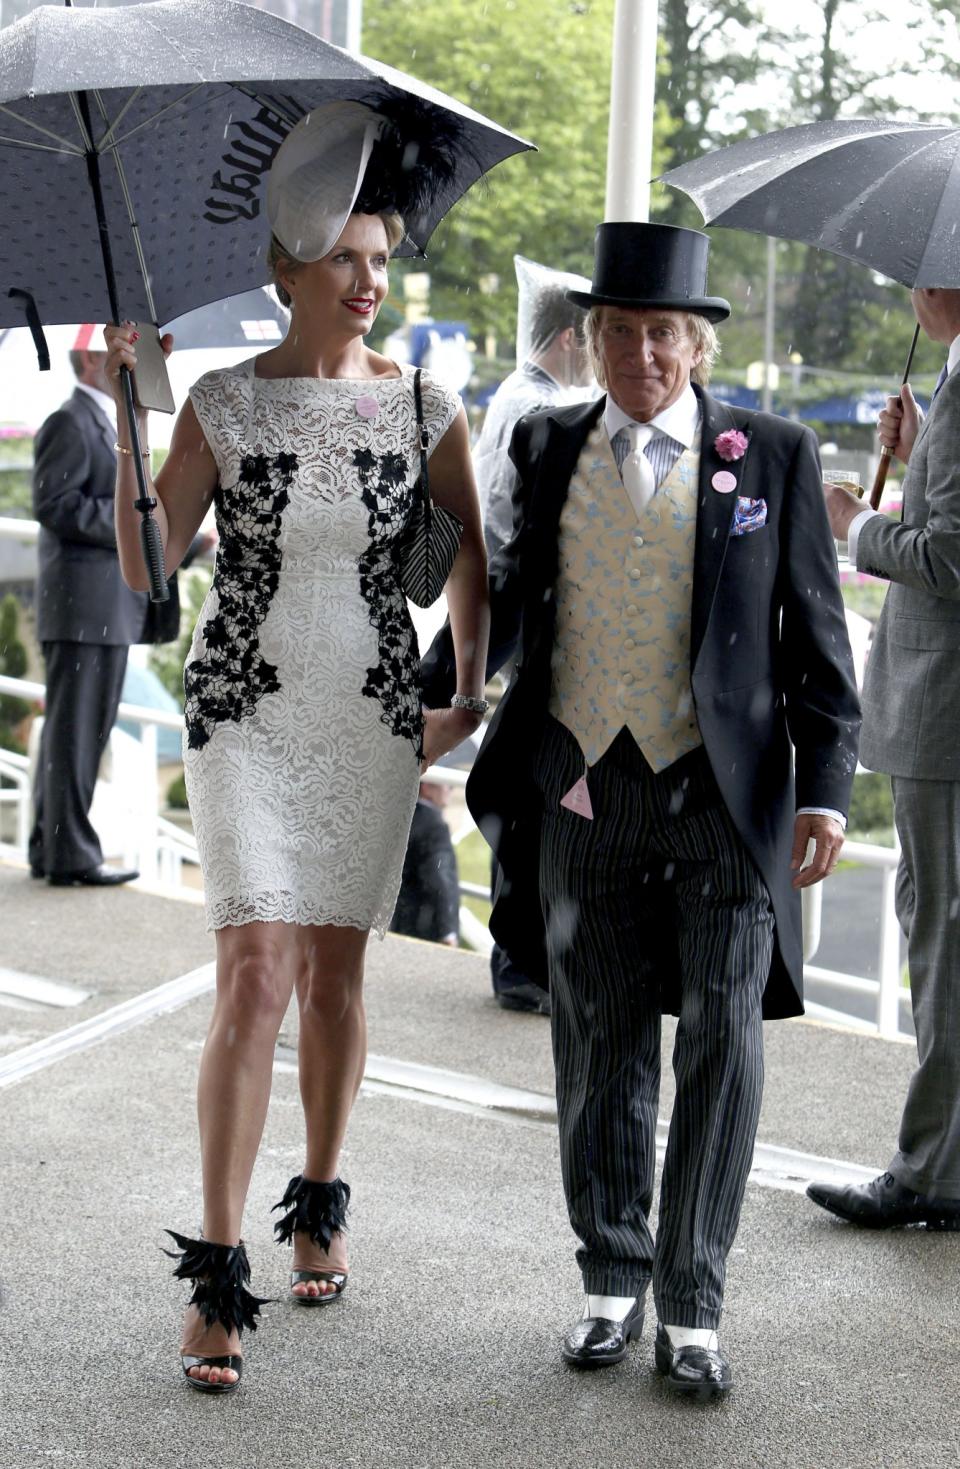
{"x": 320, "y": 1211}
{"x": 219, "y": 1274}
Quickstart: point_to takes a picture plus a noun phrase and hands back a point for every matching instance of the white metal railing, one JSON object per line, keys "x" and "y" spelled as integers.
{"x": 886, "y": 989}
{"x": 160, "y": 848}
{"x": 12, "y": 529}
{"x": 157, "y": 846}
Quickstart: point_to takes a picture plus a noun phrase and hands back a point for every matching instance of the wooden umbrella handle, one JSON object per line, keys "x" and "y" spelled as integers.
{"x": 886, "y": 457}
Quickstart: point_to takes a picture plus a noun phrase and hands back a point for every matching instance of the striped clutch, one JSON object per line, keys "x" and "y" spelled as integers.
{"x": 426, "y": 552}
{"x": 427, "y": 547}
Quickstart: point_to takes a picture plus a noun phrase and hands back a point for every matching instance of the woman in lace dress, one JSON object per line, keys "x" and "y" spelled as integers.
{"x": 304, "y": 732}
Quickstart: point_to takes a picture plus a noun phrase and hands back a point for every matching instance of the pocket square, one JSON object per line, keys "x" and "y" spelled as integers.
{"x": 749, "y": 515}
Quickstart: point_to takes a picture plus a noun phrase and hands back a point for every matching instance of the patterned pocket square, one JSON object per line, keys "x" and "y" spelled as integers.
{"x": 749, "y": 515}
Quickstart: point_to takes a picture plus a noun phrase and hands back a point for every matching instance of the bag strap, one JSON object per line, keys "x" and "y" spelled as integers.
{"x": 423, "y": 438}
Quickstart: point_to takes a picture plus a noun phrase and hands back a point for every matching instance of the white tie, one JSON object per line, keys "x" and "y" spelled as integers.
{"x": 637, "y": 472}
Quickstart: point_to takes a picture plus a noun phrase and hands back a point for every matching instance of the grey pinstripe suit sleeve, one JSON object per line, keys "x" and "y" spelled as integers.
{"x": 924, "y": 556}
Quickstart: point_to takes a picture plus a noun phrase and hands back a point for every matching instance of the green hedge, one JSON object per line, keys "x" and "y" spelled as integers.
{"x": 871, "y": 806}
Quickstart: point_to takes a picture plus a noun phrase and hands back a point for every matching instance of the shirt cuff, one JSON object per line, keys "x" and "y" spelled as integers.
{"x": 853, "y": 532}
{"x": 825, "y": 810}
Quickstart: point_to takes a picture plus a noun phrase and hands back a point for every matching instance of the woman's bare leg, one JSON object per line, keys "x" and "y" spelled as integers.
{"x": 333, "y": 1051}
{"x": 257, "y": 965}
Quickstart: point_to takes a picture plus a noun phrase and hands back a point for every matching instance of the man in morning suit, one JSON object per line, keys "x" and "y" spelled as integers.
{"x": 911, "y": 708}
{"x": 86, "y": 619}
{"x": 673, "y": 588}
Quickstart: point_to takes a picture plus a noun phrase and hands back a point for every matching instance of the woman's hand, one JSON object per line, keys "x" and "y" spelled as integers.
{"x": 443, "y": 730}
{"x": 121, "y": 352}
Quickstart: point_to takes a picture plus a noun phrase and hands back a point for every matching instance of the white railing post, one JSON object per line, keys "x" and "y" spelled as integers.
{"x": 633, "y": 76}
{"x": 149, "y": 805}
{"x": 888, "y": 991}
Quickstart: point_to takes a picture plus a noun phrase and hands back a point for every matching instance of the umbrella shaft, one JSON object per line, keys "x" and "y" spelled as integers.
{"x": 96, "y": 189}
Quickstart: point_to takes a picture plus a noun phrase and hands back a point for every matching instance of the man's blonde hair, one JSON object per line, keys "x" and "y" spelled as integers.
{"x": 698, "y": 328}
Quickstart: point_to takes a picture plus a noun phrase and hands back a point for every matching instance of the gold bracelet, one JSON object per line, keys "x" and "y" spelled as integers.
{"x": 129, "y": 452}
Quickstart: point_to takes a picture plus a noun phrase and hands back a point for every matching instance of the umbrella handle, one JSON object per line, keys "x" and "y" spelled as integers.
{"x": 886, "y": 458}
{"x": 151, "y": 542}
{"x": 886, "y": 455}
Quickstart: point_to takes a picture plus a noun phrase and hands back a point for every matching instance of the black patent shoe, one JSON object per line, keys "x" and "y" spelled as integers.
{"x": 318, "y": 1210}
{"x": 596, "y": 1341}
{"x": 883, "y": 1203}
{"x": 699, "y": 1371}
{"x": 219, "y": 1274}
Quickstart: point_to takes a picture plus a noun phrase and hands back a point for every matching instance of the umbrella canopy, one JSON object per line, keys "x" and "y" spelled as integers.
{"x": 885, "y": 194}
{"x": 180, "y": 108}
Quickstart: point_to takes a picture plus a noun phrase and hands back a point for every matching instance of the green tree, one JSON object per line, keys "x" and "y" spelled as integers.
{"x": 13, "y": 663}
{"x": 542, "y": 69}
{"x": 721, "y": 57}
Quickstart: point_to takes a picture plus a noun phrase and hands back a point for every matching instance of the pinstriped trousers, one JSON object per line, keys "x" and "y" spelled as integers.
{"x": 657, "y": 885}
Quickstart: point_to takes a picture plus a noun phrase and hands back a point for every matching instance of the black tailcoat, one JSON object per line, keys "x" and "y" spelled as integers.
{"x": 770, "y": 664}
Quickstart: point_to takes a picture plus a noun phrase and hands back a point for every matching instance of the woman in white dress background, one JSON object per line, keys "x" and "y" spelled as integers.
{"x": 304, "y": 732}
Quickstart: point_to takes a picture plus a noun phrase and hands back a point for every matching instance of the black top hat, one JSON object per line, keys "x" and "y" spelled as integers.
{"x": 639, "y": 265}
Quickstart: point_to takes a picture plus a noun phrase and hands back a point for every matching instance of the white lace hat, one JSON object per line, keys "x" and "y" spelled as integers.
{"x": 316, "y": 176}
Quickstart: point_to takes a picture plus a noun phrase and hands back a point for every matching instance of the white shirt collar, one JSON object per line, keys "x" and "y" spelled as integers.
{"x": 953, "y": 356}
{"x": 103, "y": 401}
{"x": 680, "y": 421}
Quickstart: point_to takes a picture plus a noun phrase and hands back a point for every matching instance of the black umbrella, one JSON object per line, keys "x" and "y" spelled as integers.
{"x": 135, "y": 143}
{"x": 886, "y": 194}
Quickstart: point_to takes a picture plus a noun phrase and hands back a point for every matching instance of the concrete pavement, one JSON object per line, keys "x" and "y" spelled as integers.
{"x": 443, "y": 1351}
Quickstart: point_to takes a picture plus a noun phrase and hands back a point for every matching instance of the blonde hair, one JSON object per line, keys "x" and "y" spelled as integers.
{"x": 698, "y": 328}
{"x": 279, "y": 258}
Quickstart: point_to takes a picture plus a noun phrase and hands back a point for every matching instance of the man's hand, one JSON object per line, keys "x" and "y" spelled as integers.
{"x": 828, "y": 835}
{"x": 899, "y": 423}
{"x": 843, "y": 507}
{"x": 443, "y": 730}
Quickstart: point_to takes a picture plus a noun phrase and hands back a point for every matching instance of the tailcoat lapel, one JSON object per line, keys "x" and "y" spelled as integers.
{"x": 567, "y": 431}
{"x": 715, "y": 512}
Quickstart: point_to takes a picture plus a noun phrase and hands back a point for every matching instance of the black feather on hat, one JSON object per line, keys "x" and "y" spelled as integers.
{"x": 415, "y": 159}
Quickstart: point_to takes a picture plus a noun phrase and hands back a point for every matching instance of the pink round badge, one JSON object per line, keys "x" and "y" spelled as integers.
{"x": 724, "y": 481}
{"x": 368, "y": 407}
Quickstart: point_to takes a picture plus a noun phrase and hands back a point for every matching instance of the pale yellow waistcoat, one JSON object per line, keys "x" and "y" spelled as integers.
{"x": 621, "y": 655}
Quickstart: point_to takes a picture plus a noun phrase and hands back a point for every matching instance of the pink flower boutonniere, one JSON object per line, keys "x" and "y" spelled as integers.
{"x": 731, "y": 445}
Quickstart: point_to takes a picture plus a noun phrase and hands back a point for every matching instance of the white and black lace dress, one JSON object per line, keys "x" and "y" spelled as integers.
{"x": 303, "y": 719}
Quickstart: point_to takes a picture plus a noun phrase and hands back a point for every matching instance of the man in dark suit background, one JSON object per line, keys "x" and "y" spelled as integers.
{"x": 672, "y": 585}
{"x": 428, "y": 904}
{"x": 86, "y": 619}
{"x": 911, "y": 707}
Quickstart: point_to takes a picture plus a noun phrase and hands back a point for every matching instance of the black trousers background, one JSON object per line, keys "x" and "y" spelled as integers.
{"x": 657, "y": 884}
{"x": 84, "y": 683}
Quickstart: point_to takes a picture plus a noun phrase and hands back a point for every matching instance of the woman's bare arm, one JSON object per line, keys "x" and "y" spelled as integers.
{"x": 452, "y": 485}
{"x": 183, "y": 488}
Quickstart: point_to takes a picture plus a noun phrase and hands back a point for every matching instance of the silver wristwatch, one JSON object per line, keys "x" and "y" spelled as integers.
{"x": 465, "y": 701}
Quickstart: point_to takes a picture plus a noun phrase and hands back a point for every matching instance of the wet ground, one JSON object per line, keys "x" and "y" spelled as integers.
{"x": 443, "y": 1351}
